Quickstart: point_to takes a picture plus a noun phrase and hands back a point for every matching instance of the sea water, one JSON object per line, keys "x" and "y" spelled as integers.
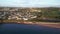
{"x": 27, "y": 29}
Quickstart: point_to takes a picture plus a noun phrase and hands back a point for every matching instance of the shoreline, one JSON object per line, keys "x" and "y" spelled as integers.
{"x": 51, "y": 25}
{"x": 46, "y": 24}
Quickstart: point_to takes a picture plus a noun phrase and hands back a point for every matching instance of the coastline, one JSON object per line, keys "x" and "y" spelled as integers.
{"x": 52, "y": 25}
{"x": 46, "y": 24}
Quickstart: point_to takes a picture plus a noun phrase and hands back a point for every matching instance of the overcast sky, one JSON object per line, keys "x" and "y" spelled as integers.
{"x": 29, "y": 3}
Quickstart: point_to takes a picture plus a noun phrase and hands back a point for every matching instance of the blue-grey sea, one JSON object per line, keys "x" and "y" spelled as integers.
{"x": 27, "y": 29}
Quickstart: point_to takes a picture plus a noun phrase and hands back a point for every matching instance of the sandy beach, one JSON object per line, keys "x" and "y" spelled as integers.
{"x": 47, "y": 24}
{"x": 53, "y": 25}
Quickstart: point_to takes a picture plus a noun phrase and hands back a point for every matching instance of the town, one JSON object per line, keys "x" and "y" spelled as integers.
{"x": 26, "y": 14}
{"x": 18, "y": 13}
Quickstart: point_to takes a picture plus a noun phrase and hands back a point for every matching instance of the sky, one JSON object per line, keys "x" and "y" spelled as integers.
{"x": 30, "y": 3}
